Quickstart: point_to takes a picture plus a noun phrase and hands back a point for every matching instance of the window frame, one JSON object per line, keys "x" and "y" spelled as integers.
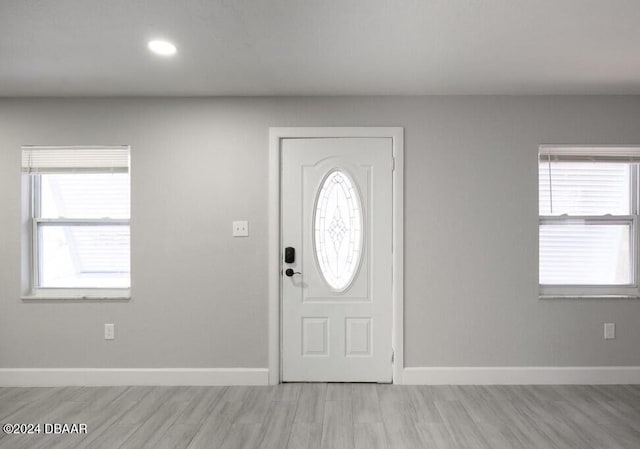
{"x": 629, "y": 291}
{"x": 36, "y": 221}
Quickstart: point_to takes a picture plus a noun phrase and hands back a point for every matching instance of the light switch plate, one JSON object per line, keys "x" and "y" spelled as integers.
{"x": 609, "y": 331}
{"x": 240, "y": 229}
{"x": 109, "y": 331}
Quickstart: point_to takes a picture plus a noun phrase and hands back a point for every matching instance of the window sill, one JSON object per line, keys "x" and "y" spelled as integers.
{"x": 79, "y": 295}
{"x": 625, "y": 297}
{"x": 75, "y": 298}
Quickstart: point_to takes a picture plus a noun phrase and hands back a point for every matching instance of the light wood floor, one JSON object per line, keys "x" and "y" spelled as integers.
{"x": 330, "y": 416}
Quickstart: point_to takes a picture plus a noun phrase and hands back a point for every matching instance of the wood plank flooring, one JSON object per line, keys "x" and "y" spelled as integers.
{"x": 329, "y": 416}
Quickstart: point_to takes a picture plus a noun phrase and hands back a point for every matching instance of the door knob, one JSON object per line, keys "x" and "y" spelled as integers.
{"x": 289, "y": 272}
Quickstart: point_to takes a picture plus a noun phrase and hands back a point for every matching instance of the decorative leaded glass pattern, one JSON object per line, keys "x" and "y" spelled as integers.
{"x": 338, "y": 230}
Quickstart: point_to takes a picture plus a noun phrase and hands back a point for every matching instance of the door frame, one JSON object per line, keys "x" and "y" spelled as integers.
{"x": 276, "y": 135}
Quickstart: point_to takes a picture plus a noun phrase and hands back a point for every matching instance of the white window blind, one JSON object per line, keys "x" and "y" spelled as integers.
{"x": 590, "y": 154}
{"x": 588, "y": 217}
{"x": 585, "y": 254}
{"x": 88, "y": 159}
{"x": 584, "y": 188}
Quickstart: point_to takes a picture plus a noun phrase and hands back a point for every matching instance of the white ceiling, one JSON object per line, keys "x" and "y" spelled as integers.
{"x": 320, "y": 47}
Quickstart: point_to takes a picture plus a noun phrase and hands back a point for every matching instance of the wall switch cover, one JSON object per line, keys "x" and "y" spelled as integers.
{"x": 609, "y": 331}
{"x": 109, "y": 331}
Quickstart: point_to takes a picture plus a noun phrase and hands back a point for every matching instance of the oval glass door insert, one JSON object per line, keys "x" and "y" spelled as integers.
{"x": 338, "y": 230}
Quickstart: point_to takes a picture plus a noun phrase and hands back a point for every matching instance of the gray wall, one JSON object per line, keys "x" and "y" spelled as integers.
{"x": 200, "y": 295}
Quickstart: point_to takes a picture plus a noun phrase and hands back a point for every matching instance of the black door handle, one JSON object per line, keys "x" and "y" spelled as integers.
{"x": 289, "y": 272}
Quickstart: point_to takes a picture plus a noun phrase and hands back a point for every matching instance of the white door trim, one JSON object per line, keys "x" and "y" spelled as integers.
{"x": 275, "y": 247}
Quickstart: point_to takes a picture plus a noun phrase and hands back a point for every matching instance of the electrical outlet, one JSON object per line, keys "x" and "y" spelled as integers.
{"x": 240, "y": 228}
{"x": 609, "y": 331}
{"x": 109, "y": 331}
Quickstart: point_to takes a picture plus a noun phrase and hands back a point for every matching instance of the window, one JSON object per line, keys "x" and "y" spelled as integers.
{"x": 588, "y": 221}
{"x": 338, "y": 230}
{"x": 79, "y": 213}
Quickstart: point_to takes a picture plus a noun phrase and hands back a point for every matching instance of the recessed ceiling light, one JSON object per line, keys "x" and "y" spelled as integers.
{"x": 162, "y": 48}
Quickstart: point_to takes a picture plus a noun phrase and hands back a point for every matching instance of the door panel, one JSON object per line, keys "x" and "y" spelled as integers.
{"x": 337, "y": 214}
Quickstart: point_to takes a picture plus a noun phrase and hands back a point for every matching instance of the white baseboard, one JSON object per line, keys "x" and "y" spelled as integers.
{"x": 502, "y": 375}
{"x": 526, "y": 375}
{"x": 54, "y": 377}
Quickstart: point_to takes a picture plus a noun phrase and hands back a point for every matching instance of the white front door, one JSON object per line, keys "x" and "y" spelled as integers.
{"x": 337, "y": 215}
